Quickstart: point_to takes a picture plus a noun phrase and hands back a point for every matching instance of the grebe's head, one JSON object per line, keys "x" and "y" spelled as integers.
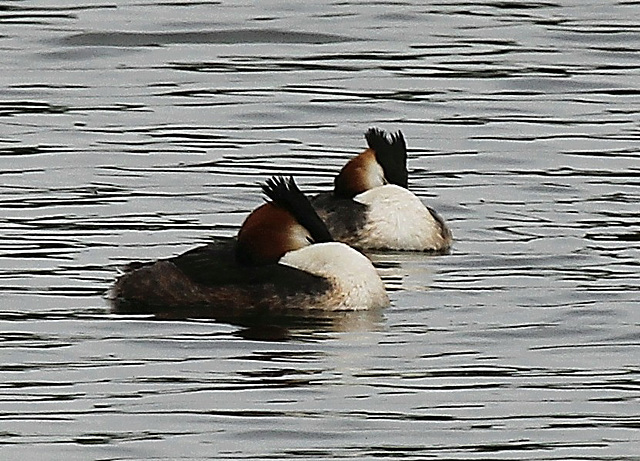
{"x": 285, "y": 223}
{"x": 384, "y": 162}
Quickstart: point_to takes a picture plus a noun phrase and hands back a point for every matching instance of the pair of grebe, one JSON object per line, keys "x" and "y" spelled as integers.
{"x": 293, "y": 253}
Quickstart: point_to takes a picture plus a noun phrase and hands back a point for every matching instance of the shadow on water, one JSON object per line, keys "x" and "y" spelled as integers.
{"x": 257, "y": 326}
{"x": 285, "y": 326}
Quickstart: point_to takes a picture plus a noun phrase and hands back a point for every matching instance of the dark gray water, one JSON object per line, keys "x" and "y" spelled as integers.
{"x": 138, "y": 130}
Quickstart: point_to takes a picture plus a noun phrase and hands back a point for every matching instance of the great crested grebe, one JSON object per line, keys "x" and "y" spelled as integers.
{"x": 371, "y": 206}
{"x": 283, "y": 259}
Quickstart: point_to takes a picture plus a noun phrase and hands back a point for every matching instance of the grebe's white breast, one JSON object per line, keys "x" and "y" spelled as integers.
{"x": 356, "y": 283}
{"x": 398, "y": 220}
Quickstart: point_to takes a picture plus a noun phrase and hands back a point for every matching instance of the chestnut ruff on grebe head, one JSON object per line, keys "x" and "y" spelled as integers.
{"x": 286, "y": 194}
{"x": 384, "y": 162}
{"x": 285, "y": 223}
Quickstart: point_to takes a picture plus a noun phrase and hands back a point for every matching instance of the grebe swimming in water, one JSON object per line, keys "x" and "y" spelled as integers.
{"x": 283, "y": 258}
{"x": 371, "y": 207}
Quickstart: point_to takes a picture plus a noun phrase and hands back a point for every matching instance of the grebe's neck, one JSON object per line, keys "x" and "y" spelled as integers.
{"x": 398, "y": 220}
{"x": 356, "y": 283}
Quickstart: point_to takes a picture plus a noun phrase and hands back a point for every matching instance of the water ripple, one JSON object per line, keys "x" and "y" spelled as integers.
{"x": 137, "y": 131}
{"x": 145, "y": 39}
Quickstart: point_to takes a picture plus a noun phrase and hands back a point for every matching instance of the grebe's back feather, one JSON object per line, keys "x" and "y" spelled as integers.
{"x": 344, "y": 215}
{"x": 210, "y": 276}
{"x": 206, "y": 283}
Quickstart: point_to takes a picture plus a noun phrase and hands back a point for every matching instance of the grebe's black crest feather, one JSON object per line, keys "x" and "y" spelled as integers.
{"x": 286, "y": 194}
{"x": 391, "y": 154}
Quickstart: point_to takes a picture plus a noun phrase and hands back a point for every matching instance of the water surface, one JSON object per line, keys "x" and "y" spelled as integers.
{"x": 137, "y": 131}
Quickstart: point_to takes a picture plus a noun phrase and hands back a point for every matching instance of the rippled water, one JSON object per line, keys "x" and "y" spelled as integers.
{"x": 138, "y": 130}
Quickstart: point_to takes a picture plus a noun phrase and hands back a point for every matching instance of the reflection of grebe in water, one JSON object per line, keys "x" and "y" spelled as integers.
{"x": 283, "y": 259}
{"x": 371, "y": 207}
